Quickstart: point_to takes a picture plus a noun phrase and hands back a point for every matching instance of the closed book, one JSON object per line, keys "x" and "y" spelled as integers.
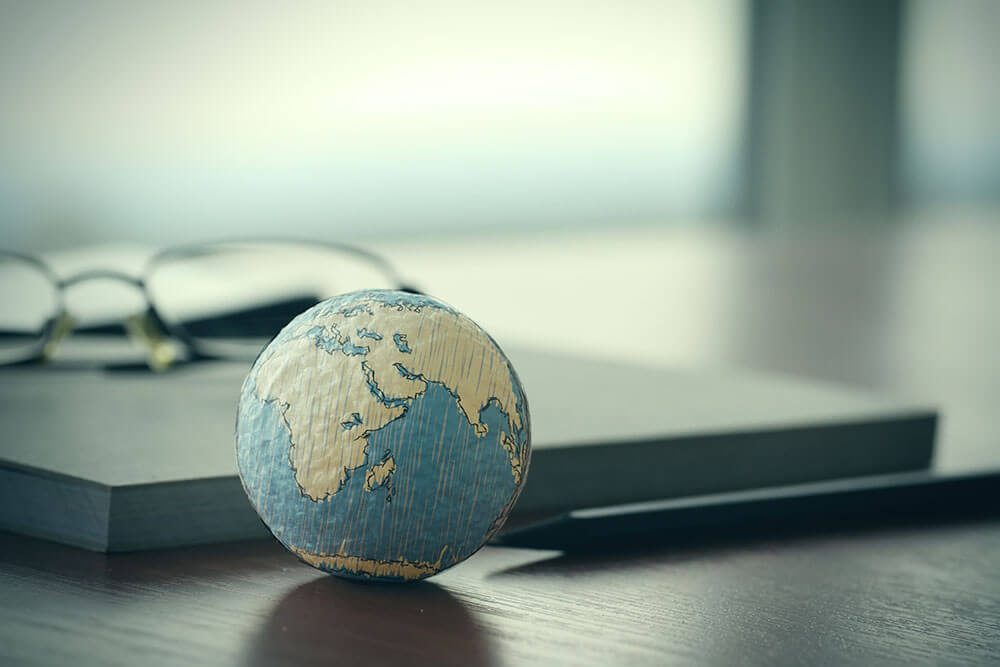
{"x": 116, "y": 458}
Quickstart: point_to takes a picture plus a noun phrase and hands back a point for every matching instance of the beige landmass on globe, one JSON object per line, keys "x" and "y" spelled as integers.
{"x": 402, "y": 569}
{"x": 332, "y": 411}
{"x": 379, "y": 474}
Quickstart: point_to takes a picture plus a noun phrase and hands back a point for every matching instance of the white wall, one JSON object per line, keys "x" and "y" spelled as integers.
{"x": 172, "y": 121}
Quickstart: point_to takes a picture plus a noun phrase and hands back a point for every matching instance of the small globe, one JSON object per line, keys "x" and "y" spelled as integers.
{"x": 382, "y": 435}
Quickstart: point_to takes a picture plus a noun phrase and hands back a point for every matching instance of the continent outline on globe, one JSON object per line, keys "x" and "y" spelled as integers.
{"x": 389, "y": 358}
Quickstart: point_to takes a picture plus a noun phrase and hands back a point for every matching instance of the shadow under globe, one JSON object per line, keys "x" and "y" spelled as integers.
{"x": 331, "y": 621}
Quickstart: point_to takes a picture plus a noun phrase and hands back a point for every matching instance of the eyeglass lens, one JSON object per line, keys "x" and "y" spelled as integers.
{"x": 231, "y": 299}
{"x": 29, "y": 299}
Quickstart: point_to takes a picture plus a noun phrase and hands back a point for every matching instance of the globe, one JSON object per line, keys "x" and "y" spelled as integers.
{"x": 382, "y": 435}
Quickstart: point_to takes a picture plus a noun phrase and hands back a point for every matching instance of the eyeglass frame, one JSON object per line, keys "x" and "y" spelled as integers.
{"x": 150, "y": 325}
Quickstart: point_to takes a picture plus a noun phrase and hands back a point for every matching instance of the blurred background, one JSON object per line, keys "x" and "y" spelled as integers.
{"x": 801, "y": 187}
{"x": 166, "y": 122}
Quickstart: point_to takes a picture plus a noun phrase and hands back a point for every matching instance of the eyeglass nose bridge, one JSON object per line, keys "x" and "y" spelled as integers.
{"x": 145, "y": 328}
{"x": 102, "y": 274}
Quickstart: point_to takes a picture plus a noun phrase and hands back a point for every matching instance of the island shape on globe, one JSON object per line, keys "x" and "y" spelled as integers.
{"x": 382, "y": 435}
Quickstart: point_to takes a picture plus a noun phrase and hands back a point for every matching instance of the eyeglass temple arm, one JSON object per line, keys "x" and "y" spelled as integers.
{"x": 57, "y": 329}
{"x": 149, "y": 331}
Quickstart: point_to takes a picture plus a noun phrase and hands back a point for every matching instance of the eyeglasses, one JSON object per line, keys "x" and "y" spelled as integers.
{"x": 220, "y": 300}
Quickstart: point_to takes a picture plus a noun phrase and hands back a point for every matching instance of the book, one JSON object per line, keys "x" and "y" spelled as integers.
{"x": 114, "y": 458}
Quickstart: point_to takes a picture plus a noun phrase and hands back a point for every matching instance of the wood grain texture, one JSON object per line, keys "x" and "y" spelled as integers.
{"x": 928, "y": 594}
{"x": 382, "y": 435}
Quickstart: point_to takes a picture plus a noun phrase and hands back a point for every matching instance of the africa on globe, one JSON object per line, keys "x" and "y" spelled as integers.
{"x": 382, "y": 435}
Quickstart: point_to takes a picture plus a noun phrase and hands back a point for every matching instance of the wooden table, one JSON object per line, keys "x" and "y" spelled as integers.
{"x": 912, "y": 309}
{"x": 928, "y": 594}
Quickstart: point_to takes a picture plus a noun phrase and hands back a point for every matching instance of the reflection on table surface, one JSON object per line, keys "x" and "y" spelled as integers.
{"x": 921, "y": 593}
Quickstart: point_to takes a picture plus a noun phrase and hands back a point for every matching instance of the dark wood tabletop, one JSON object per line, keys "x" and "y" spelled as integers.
{"x": 928, "y": 594}
{"x": 911, "y": 309}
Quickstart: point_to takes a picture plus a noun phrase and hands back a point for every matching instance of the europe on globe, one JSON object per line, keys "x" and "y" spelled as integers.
{"x": 382, "y": 435}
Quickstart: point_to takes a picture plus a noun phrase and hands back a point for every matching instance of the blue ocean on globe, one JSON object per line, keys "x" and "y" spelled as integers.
{"x": 450, "y": 483}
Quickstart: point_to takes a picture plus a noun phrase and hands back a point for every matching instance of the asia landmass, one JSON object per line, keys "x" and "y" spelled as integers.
{"x": 386, "y": 358}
